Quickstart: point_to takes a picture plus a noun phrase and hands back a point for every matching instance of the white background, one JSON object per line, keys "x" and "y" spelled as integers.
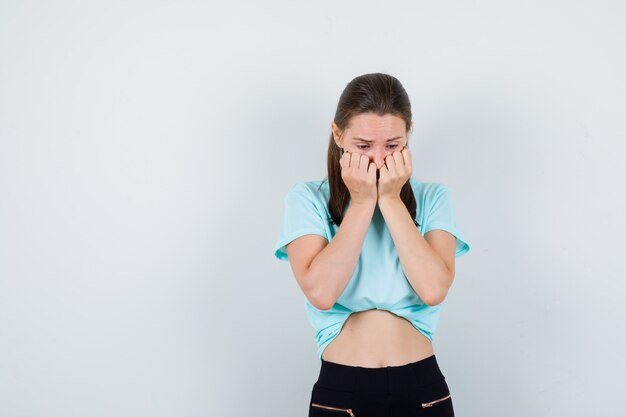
{"x": 146, "y": 148}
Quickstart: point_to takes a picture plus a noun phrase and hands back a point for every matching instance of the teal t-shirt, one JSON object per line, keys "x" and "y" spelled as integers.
{"x": 378, "y": 281}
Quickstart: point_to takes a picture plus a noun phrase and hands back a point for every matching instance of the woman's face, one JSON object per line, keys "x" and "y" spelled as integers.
{"x": 373, "y": 136}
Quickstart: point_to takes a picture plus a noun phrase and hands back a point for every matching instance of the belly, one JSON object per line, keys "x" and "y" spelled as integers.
{"x": 377, "y": 338}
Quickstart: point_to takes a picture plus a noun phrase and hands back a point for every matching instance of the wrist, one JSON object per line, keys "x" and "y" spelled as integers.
{"x": 389, "y": 199}
{"x": 388, "y": 202}
{"x": 367, "y": 203}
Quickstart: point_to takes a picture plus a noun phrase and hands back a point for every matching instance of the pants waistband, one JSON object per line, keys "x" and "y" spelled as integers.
{"x": 388, "y": 379}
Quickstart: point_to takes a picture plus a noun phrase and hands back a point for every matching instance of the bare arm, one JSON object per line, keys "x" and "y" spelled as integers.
{"x": 324, "y": 278}
{"x": 428, "y": 263}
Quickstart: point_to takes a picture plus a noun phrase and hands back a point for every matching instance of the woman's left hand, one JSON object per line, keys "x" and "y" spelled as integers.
{"x": 394, "y": 173}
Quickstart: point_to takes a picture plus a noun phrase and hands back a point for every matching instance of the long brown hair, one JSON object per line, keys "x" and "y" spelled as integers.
{"x": 376, "y": 93}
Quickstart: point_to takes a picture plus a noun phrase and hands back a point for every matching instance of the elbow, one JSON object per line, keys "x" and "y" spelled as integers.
{"x": 320, "y": 300}
{"x": 438, "y": 295}
{"x": 318, "y": 297}
{"x": 435, "y": 297}
{"x": 323, "y": 306}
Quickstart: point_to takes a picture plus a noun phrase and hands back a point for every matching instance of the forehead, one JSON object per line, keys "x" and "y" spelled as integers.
{"x": 374, "y": 127}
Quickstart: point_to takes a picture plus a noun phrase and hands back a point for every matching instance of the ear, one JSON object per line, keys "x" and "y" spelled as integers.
{"x": 336, "y": 134}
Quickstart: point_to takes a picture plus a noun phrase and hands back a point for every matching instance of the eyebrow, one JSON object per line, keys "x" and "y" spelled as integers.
{"x": 370, "y": 141}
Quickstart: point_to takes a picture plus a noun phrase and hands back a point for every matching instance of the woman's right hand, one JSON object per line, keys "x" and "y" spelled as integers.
{"x": 359, "y": 175}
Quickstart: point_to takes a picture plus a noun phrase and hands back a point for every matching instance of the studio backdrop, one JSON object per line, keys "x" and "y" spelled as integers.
{"x": 146, "y": 148}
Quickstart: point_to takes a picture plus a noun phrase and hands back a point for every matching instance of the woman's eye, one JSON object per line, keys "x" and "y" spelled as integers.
{"x": 363, "y": 147}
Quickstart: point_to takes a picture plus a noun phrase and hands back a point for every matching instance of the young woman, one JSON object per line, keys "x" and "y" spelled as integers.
{"x": 373, "y": 251}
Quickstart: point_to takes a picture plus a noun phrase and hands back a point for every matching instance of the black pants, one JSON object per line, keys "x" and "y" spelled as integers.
{"x": 415, "y": 389}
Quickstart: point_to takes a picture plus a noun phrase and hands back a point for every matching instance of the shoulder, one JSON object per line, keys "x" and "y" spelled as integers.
{"x": 312, "y": 190}
{"x": 427, "y": 191}
{"x": 309, "y": 194}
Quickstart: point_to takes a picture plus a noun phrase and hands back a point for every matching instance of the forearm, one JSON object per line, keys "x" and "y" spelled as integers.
{"x": 333, "y": 267}
{"x": 425, "y": 270}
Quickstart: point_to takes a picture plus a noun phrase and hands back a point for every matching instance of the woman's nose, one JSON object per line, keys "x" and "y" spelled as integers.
{"x": 379, "y": 158}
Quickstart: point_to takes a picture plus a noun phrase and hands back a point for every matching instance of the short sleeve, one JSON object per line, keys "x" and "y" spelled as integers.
{"x": 301, "y": 217}
{"x": 441, "y": 216}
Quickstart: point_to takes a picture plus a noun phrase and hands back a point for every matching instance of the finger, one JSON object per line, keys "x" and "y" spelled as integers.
{"x": 391, "y": 160}
{"x": 343, "y": 161}
{"x": 398, "y": 158}
{"x": 346, "y": 158}
{"x": 351, "y": 160}
{"x": 408, "y": 161}
{"x": 363, "y": 162}
{"x": 390, "y": 164}
{"x": 384, "y": 172}
{"x": 371, "y": 169}
{"x": 406, "y": 154}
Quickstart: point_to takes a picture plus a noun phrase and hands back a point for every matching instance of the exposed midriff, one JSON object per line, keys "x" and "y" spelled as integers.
{"x": 377, "y": 338}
